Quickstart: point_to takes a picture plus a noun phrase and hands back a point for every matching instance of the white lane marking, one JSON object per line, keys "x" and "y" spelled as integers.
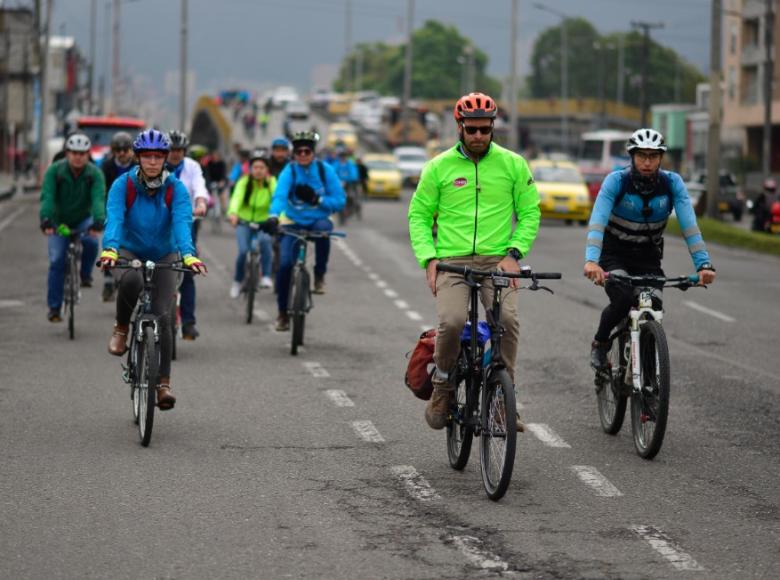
{"x": 367, "y": 431}
{"x": 390, "y": 293}
{"x": 402, "y": 304}
{"x": 380, "y": 284}
{"x": 546, "y": 435}
{"x": 705, "y": 310}
{"x": 591, "y": 477}
{"x": 262, "y": 315}
{"x": 7, "y": 221}
{"x": 416, "y": 485}
{"x": 10, "y": 303}
{"x": 413, "y": 315}
{"x": 339, "y": 398}
{"x": 316, "y": 369}
{"x": 665, "y": 546}
{"x": 373, "y": 276}
{"x": 477, "y": 554}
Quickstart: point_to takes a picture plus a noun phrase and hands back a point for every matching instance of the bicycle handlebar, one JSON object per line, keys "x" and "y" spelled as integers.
{"x": 310, "y": 235}
{"x": 524, "y": 273}
{"x": 683, "y": 282}
{"x": 256, "y": 226}
{"x": 136, "y": 264}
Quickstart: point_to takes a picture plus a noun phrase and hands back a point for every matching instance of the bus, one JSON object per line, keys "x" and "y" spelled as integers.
{"x": 602, "y": 152}
{"x": 100, "y": 130}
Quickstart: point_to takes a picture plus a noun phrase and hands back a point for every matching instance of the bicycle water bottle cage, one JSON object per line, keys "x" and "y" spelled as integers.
{"x": 483, "y": 333}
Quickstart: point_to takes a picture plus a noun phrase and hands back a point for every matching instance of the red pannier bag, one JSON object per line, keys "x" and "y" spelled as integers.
{"x": 421, "y": 366}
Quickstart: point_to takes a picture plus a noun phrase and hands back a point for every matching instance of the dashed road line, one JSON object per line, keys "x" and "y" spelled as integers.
{"x": 546, "y": 435}
{"x": 339, "y": 398}
{"x": 14, "y": 214}
{"x": 665, "y": 546}
{"x": 10, "y": 303}
{"x": 416, "y": 485}
{"x": 381, "y": 284}
{"x": 413, "y": 315}
{"x": 591, "y": 477}
{"x": 477, "y": 554}
{"x": 390, "y": 293}
{"x": 316, "y": 369}
{"x": 367, "y": 431}
{"x": 373, "y": 276}
{"x": 709, "y": 311}
{"x": 402, "y": 304}
{"x": 261, "y": 315}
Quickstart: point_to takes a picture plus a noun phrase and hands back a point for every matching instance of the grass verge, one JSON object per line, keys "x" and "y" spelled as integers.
{"x": 717, "y": 232}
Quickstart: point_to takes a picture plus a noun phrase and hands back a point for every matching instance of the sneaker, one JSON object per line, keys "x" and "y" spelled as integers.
{"x": 282, "y": 322}
{"x": 189, "y": 332}
{"x": 319, "y": 285}
{"x": 265, "y": 282}
{"x": 86, "y": 282}
{"x": 235, "y": 289}
{"x": 598, "y": 355}
{"x": 54, "y": 315}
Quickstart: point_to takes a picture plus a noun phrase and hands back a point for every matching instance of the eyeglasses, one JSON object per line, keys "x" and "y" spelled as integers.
{"x": 153, "y": 156}
{"x": 652, "y": 156}
{"x": 303, "y": 151}
{"x": 486, "y": 130}
{"x": 79, "y": 153}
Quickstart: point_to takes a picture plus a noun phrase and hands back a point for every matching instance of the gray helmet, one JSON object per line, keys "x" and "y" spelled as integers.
{"x": 178, "y": 139}
{"x": 121, "y": 140}
{"x": 78, "y": 142}
{"x": 646, "y": 139}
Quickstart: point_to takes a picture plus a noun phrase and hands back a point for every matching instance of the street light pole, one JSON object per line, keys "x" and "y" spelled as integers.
{"x": 92, "y": 54}
{"x": 115, "y": 60}
{"x": 407, "y": 94}
{"x": 513, "y": 141}
{"x": 183, "y": 74}
{"x": 564, "y": 74}
{"x": 769, "y": 69}
{"x": 43, "y": 154}
{"x": 713, "y": 137}
{"x": 348, "y": 47}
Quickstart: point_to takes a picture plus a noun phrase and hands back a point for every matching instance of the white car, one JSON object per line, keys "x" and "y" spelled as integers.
{"x": 410, "y": 162}
{"x": 283, "y": 95}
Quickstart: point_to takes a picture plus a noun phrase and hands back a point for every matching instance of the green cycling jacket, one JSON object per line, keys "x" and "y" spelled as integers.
{"x": 69, "y": 200}
{"x": 473, "y": 205}
{"x": 259, "y": 202}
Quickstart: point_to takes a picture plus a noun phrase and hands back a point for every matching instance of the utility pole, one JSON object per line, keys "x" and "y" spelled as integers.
{"x": 621, "y": 72}
{"x": 115, "y": 60}
{"x": 513, "y": 142}
{"x": 769, "y": 70}
{"x": 43, "y": 154}
{"x": 564, "y": 87}
{"x": 713, "y": 137}
{"x": 92, "y": 55}
{"x": 348, "y": 81}
{"x": 407, "y": 94}
{"x": 183, "y": 74}
{"x": 646, "y": 28}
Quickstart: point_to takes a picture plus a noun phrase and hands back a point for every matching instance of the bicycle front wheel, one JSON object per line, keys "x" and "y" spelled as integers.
{"x": 499, "y": 434}
{"x": 146, "y": 391}
{"x": 300, "y": 297}
{"x": 610, "y": 390}
{"x": 251, "y": 286}
{"x": 650, "y": 405}
{"x": 460, "y": 433}
{"x": 71, "y": 291}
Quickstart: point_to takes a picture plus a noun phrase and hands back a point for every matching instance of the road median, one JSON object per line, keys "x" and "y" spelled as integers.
{"x": 717, "y": 232}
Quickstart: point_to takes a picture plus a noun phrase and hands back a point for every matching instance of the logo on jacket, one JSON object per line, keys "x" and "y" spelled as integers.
{"x": 460, "y": 182}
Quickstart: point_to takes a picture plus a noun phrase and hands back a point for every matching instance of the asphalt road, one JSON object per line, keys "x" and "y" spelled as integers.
{"x": 321, "y": 465}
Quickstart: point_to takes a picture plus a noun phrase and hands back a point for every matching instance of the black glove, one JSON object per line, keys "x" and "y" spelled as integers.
{"x": 306, "y": 194}
{"x": 97, "y": 226}
{"x": 46, "y": 224}
{"x": 271, "y": 225}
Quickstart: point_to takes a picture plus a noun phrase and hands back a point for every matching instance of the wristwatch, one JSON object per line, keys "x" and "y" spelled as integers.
{"x": 515, "y": 253}
{"x": 706, "y": 266}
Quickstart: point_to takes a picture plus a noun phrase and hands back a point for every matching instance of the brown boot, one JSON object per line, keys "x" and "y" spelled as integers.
{"x": 282, "y": 322}
{"x": 319, "y": 285}
{"x": 165, "y": 400}
{"x": 118, "y": 343}
{"x": 437, "y": 412}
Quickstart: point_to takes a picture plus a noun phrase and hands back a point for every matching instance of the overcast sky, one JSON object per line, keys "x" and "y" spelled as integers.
{"x": 282, "y": 41}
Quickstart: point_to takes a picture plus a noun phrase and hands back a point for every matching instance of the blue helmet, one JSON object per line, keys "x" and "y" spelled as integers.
{"x": 280, "y": 142}
{"x": 151, "y": 140}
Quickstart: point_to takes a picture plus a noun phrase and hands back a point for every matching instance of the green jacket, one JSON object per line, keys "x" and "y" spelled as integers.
{"x": 473, "y": 205}
{"x": 256, "y": 210}
{"x": 68, "y": 200}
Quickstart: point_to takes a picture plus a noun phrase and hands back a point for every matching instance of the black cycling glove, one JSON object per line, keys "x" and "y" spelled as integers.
{"x": 306, "y": 194}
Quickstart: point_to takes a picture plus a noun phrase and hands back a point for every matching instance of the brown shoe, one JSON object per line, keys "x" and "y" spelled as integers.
{"x": 282, "y": 322}
{"x": 437, "y": 412}
{"x": 319, "y": 285}
{"x": 165, "y": 400}
{"x": 520, "y": 425}
{"x": 118, "y": 343}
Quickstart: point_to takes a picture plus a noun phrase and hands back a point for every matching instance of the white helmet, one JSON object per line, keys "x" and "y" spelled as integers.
{"x": 78, "y": 142}
{"x": 646, "y": 139}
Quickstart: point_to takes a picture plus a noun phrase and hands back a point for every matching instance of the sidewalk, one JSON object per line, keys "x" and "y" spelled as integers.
{"x": 8, "y": 185}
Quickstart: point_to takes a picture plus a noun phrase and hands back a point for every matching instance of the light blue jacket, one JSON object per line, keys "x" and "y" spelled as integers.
{"x": 347, "y": 171}
{"x": 332, "y": 196}
{"x": 149, "y": 229}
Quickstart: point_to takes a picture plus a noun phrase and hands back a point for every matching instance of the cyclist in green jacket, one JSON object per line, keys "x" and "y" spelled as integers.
{"x": 73, "y": 195}
{"x": 472, "y": 191}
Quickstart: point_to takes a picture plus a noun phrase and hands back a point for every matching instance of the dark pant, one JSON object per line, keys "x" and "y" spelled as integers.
{"x": 187, "y": 288}
{"x": 131, "y": 283}
{"x": 288, "y": 254}
{"x": 58, "y": 258}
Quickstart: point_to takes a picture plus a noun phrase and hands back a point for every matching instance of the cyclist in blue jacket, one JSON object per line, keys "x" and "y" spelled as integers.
{"x": 307, "y": 192}
{"x": 626, "y": 230}
{"x": 149, "y": 217}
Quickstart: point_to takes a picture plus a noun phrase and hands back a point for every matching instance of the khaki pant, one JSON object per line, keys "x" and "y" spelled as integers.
{"x": 452, "y": 307}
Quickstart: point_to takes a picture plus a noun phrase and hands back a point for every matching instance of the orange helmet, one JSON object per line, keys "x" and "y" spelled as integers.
{"x": 475, "y": 106}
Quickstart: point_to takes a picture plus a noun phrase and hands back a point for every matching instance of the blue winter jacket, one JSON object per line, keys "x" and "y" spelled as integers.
{"x": 149, "y": 229}
{"x": 626, "y": 225}
{"x": 347, "y": 171}
{"x": 332, "y": 196}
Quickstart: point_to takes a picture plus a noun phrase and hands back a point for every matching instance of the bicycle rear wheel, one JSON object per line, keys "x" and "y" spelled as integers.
{"x": 650, "y": 406}
{"x": 610, "y": 390}
{"x": 251, "y": 285}
{"x": 300, "y": 298}
{"x": 146, "y": 391}
{"x": 499, "y": 434}
{"x": 175, "y": 324}
{"x": 71, "y": 292}
{"x": 460, "y": 434}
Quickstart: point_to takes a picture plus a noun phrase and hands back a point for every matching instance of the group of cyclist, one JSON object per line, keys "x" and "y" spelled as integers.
{"x": 472, "y": 193}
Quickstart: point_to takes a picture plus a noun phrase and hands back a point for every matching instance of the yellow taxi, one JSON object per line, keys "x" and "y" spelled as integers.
{"x": 342, "y": 133}
{"x": 563, "y": 193}
{"x": 384, "y": 175}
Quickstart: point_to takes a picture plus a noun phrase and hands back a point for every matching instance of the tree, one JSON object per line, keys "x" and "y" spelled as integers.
{"x": 436, "y": 70}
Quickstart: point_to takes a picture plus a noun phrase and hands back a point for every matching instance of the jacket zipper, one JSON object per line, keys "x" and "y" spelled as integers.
{"x": 476, "y": 207}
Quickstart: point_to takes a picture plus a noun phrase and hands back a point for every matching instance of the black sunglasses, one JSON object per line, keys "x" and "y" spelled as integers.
{"x": 487, "y": 130}
{"x": 303, "y": 151}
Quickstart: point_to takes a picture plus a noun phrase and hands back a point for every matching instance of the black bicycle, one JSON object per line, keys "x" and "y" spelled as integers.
{"x": 353, "y": 206}
{"x": 300, "y": 301}
{"x": 252, "y": 270}
{"x": 484, "y": 401}
{"x": 143, "y": 356}
{"x": 638, "y": 365}
{"x": 72, "y": 286}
